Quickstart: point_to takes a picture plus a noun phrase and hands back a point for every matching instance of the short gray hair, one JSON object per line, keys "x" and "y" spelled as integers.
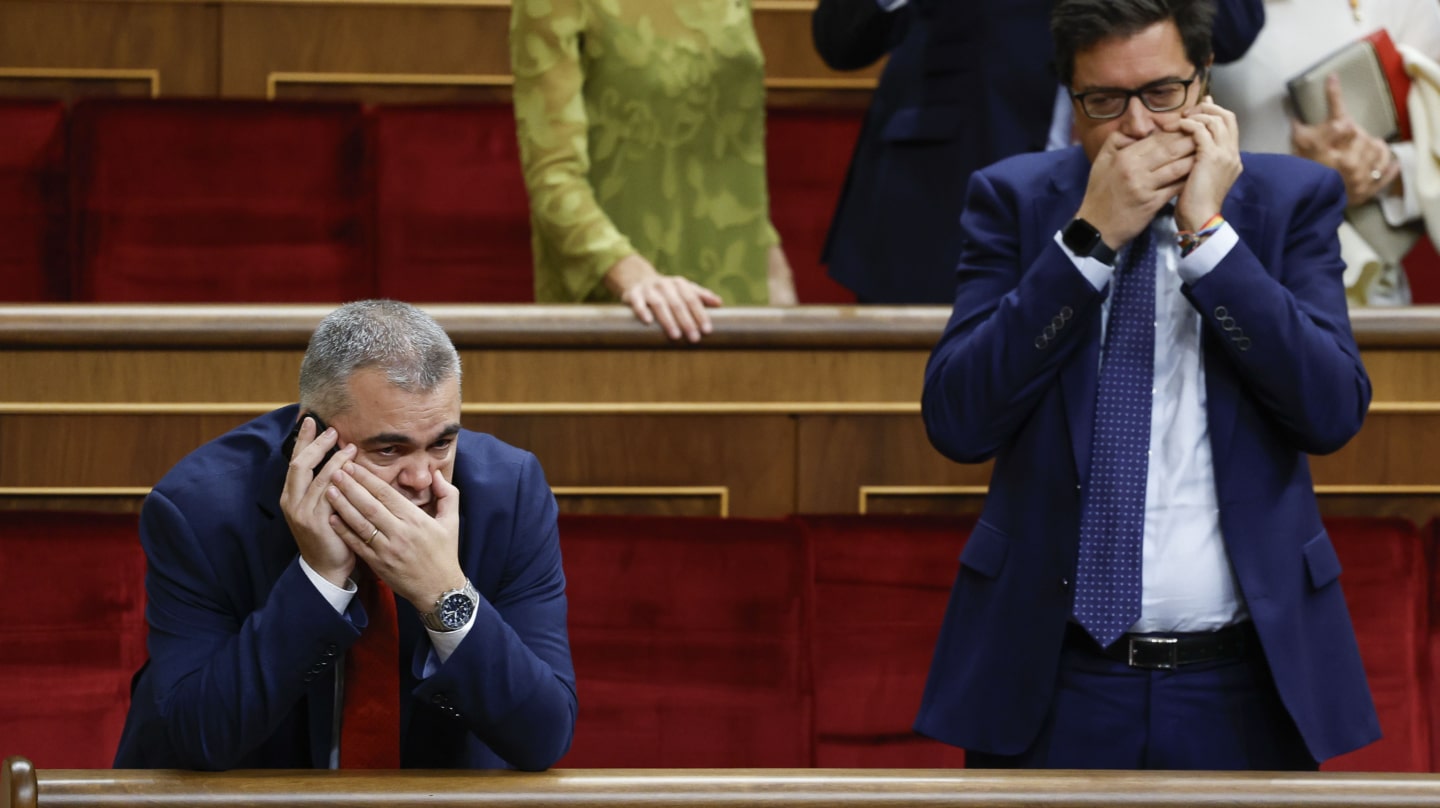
{"x": 407, "y": 344}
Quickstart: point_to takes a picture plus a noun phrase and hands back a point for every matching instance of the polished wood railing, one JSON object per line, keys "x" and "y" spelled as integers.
{"x": 812, "y": 409}
{"x": 27, "y": 787}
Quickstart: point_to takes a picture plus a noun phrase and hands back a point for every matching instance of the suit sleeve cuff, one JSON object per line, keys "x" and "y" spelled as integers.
{"x": 1097, "y": 272}
{"x": 334, "y": 595}
{"x": 1403, "y": 208}
{"x": 442, "y": 645}
{"x": 1207, "y": 256}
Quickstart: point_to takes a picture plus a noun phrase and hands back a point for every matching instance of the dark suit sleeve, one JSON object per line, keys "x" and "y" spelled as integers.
{"x": 218, "y": 685}
{"x": 988, "y": 371}
{"x": 1237, "y": 24}
{"x": 511, "y": 679}
{"x": 1284, "y": 327}
{"x": 851, "y": 34}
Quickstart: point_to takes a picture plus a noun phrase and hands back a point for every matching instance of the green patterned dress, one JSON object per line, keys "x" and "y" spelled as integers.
{"x": 642, "y": 130}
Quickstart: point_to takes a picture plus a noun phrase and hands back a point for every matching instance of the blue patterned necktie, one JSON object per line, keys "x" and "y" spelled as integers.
{"x": 1112, "y": 512}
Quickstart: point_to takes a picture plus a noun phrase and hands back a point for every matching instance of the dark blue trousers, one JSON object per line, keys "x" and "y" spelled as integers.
{"x": 1220, "y": 715}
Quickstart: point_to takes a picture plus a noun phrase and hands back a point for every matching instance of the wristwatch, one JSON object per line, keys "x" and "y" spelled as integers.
{"x": 452, "y": 609}
{"x": 1084, "y": 240}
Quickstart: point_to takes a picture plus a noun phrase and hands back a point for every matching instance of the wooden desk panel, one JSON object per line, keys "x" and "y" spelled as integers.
{"x": 812, "y": 409}
{"x": 27, "y": 787}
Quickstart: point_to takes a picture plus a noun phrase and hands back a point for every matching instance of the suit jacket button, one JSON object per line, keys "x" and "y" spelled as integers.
{"x": 1041, "y": 342}
{"x": 1221, "y": 312}
{"x": 1066, "y": 313}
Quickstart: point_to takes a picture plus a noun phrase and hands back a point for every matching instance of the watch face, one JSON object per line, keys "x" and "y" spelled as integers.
{"x": 456, "y": 610}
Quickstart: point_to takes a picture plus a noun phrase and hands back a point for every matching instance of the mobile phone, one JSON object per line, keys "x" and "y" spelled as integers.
{"x": 288, "y": 447}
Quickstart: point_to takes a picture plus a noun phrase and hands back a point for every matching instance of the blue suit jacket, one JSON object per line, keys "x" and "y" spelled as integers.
{"x": 1014, "y": 378}
{"x": 968, "y": 82}
{"x": 243, "y": 647}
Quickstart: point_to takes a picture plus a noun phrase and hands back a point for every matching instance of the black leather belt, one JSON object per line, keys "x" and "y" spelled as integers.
{"x": 1171, "y": 651}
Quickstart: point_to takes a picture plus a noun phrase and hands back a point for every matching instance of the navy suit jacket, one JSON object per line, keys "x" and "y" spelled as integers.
{"x": 968, "y": 82}
{"x": 243, "y": 648}
{"x": 1014, "y": 378}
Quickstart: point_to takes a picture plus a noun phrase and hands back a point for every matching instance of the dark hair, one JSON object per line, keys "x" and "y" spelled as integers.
{"x": 1079, "y": 24}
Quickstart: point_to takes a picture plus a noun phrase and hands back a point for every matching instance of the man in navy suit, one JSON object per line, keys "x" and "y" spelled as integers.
{"x": 1196, "y": 621}
{"x": 254, "y": 547}
{"x": 968, "y": 82}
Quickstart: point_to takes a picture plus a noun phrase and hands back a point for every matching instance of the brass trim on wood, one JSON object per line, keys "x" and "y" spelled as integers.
{"x": 565, "y": 408}
{"x": 820, "y": 83}
{"x": 490, "y": 408}
{"x": 722, "y": 492}
{"x": 867, "y": 491}
{"x": 276, "y": 78}
{"x": 75, "y": 491}
{"x": 1377, "y": 490}
{"x": 146, "y": 74}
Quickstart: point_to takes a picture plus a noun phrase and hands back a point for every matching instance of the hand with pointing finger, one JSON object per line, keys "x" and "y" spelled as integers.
{"x": 1363, "y": 160}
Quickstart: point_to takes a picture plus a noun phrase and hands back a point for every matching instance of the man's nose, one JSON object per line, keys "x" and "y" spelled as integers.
{"x": 1137, "y": 120}
{"x": 415, "y": 474}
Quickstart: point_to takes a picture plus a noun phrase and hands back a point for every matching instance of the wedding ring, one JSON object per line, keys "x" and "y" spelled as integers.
{"x": 373, "y": 534}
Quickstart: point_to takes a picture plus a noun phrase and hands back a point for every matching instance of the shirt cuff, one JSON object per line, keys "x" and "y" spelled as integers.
{"x": 337, "y": 597}
{"x": 444, "y": 644}
{"x": 890, "y": 5}
{"x": 1096, "y": 271}
{"x": 1207, "y": 256}
{"x": 1401, "y": 209}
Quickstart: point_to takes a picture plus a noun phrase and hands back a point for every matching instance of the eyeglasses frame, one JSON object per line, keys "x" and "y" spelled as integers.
{"x": 1199, "y": 74}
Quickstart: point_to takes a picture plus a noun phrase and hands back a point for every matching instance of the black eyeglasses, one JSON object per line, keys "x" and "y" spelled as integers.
{"x": 1158, "y": 96}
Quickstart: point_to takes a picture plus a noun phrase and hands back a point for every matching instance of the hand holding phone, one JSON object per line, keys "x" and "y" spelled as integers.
{"x": 288, "y": 447}
{"x": 307, "y": 510}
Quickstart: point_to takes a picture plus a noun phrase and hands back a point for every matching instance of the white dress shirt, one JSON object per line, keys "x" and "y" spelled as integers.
{"x": 1186, "y": 580}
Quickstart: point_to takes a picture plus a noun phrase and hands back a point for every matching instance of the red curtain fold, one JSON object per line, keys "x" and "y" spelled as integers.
{"x": 225, "y": 201}
{"x": 687, "y": 641}
{"x": 452, "y": 214}
{"x": 881, "y": 586}
{"x": 1386, "y": 581}
{"x": 33, "y": 201}
{"x": 72, "y": 590}
{"x": 807, "y": 152}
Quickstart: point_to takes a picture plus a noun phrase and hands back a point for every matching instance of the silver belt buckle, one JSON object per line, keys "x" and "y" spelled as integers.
{"x": 1171, "y": 644}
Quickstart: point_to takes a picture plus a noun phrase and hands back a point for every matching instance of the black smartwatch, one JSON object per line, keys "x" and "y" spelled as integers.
{"x": 1084, "y": 240}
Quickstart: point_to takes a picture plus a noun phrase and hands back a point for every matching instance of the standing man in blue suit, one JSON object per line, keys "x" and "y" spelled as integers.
{"x": 1147, "y": 342}
{"x": 968, "y": 82}
{"x": 254, "y": 548}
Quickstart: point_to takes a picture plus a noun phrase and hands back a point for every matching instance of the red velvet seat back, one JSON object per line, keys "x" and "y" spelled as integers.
{"x": 687, "y": 636}
{"x": 1387, "y": 587}
{"x": 807, "y": 155}
{"x": 220, "y": 201}
{"x": 453, "y": 218}
{"x": 881, "y": 585}
{"x": 33, "y": 201}
{"x": 72, "y": 592}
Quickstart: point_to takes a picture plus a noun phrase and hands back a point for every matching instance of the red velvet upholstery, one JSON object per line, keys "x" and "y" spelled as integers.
{"x": 807, "y": 155}
{"x": 33, "y": 198}
{"x": 1387, "y": 588}
{"x": 687, "y": 636}
{"x": 1422, "y": 268}
{"x": 220, "y": 201}
{"x": 881, "y": 584}
{"x": 73, "y": 596}
{"x": 452, "y": 215}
